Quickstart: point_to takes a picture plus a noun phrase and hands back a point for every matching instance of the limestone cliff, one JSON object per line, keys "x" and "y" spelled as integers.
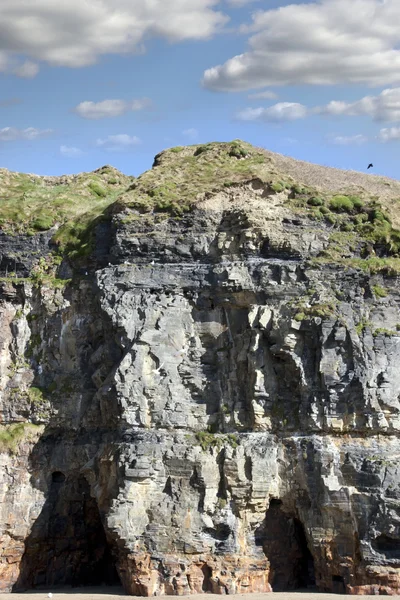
{"x": 200, "y": 377}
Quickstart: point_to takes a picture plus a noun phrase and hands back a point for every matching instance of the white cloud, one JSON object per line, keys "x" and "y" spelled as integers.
{"x": 191, "y": 133}
{"x": 121, "y": 141}
{"x": 110, "y": 108}
{"x": 347, "y": 140}
{"x": 384, "y": 107}
{"x": 267, "y": 95}
{"x": 70, "y": 151}
{"x": 389, "y": 134}
{"x": 11, "y": 65}
{"x": 76, "y": 33}
{"x": 10, "y": 134}
{"x": 28, "y": 70}
{"x": 283, "y": 111}
{"x": 319, "y": 43}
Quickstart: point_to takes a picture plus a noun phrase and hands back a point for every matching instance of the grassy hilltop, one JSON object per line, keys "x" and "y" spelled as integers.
{"x": 353, "y": 205}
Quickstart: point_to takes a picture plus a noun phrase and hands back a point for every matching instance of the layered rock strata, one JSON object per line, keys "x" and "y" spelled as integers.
{"x": 204, "y": 409}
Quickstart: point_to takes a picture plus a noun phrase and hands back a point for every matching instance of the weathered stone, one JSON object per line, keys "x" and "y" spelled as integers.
{"x": 199, "y": 434}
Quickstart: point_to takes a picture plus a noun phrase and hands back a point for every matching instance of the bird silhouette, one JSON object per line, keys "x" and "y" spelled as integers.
{"x": 370, "y": 165}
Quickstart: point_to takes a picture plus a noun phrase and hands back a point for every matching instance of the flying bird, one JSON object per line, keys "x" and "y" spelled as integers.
{"x": 370, "y": 165}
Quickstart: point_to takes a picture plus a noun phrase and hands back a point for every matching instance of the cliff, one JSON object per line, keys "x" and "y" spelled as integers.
{"x": 200, "y": 377}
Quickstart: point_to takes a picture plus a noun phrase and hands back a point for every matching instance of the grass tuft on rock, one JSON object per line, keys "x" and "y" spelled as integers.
{"x": 11, "y": 436}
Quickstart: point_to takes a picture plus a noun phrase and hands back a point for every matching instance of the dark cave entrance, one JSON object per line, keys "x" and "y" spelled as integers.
{"x": 284, "y": 543}
{"x": 67, "y": 545}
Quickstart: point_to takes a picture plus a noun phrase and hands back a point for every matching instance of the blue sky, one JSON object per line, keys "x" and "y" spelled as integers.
{"x": 85, "y": 84}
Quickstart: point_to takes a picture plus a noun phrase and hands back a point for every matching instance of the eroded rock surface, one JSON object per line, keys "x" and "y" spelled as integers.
{"x": 209, "y": 412}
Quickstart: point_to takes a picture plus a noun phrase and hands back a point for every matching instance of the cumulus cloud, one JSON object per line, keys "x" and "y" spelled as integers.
{"x": 384, "y": 107}
{"x": 121, "y": 141}
{"x": 283, "y": 111}
{"x": 110, "y": 108}
{"x": 267, "y": 95}
{"x": 70, "y": 151}
{"x": 10, "y": 134}
{"x": 191, "y": 133}
{"x": 389, "y": 134}
{"x": 76, "y": 33}
{"x": 348, "y": 140}
{"x": 318, "y": 43}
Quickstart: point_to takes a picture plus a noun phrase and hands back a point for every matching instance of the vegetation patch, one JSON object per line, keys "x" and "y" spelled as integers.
{"x": 179, "y": 179}
{"x": 98, "y": 189}
{"x": 35, "y": 396}
{"x": 317, "y": 201}
{"x": 385, "y": 332}
{"x": 32, "y": 204}
{"x": 379, "y": 291}
{"x": 209, "y": 440}
{"x": 362, "y": 325}
{"x": 345, "y": 203}
{"x": 73, "y": 206}
{"x": 323, "y": 310}
{"x": 11, "y": 436}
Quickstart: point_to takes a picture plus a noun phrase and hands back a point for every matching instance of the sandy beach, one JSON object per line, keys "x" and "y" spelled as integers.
{"x": 116, "y": 593}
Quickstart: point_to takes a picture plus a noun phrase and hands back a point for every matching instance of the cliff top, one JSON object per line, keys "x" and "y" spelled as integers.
{"x": 367, "y": 205}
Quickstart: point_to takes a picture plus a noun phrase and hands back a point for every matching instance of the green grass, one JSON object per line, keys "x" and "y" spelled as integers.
{"x": 385, "y": 332}
{"x": 98, "y": 189}
{"x": 11, "y": 436}
{"x": 35, "y": 396}
{"x": 176, "y": 149}
{"x": 300, "y": 316}
{"x": 174, "y": 185}
{"x": 345, "y": 203}
{"x": 182, "y": 176}
{"x": 389, "y": 266}
{"x": 361, "y": 325}
{"x": 360, "y": 236}
{"x": 208, "y": 440}
{"x": 324, "y": 310}
{"x": 30, "y": 205}
{"x": 316, "y": 201}
{"x": 277, "y": 186}
{"x": 43, "y": 223}
{"x": 379, "y": 291}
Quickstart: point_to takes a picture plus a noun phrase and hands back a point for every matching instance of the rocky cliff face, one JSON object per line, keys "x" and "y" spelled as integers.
{"x": 210, "y": 401}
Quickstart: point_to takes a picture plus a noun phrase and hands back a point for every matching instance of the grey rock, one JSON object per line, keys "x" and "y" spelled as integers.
{"x": 209, "y": 437}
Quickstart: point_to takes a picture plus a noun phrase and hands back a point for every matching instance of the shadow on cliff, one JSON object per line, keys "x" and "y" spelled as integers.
{"x": 67, "y": 545}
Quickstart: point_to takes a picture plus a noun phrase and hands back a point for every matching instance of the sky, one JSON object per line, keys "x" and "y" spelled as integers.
{"x": 92, "y": 82}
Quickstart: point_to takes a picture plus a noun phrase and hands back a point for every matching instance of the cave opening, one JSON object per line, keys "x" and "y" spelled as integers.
{"x": 284, "y": 542}
{"x": 207, "y": 574}
{"x": 67, "y": 545}
{"x": 388, "y": 546}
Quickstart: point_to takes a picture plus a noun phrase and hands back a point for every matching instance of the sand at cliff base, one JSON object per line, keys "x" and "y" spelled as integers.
{"x": 117, "y": 593}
